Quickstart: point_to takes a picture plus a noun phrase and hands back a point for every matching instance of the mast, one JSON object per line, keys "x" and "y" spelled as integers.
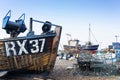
{"x": 89, "y": 34}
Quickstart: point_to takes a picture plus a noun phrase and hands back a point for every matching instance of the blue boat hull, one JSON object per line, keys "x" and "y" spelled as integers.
{"x": 90, "y": 47}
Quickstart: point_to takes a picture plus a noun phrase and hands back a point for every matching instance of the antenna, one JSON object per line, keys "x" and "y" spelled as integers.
{"x": 116, "y": 37}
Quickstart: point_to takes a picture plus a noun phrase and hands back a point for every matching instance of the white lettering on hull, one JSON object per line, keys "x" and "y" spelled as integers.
{"x": 10, "y": 48}
{"x": 24, "y": 46}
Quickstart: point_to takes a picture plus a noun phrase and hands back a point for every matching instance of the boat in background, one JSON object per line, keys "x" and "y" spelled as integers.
{"x": 73, "y": 47}
{"x": 89, "y": 46}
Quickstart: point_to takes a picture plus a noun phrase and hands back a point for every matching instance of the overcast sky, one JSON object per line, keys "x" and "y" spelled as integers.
{"x": 73, "y": 15}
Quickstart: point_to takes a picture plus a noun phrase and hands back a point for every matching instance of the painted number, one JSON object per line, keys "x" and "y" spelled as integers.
{"x": 34, "y": 46}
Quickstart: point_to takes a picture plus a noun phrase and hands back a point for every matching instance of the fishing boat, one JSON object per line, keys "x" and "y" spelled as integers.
{"x": 86, "y": 58}
{"x": 73, "y": 47}
{"x": 89, "y": 45}
{"x": 31, "y": 52}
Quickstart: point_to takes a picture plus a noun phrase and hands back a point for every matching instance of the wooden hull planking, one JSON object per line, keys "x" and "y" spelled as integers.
{"x": 44, "y": 61}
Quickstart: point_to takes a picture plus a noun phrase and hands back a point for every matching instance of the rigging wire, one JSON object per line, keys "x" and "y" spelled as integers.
{"x": 92, "y": 34}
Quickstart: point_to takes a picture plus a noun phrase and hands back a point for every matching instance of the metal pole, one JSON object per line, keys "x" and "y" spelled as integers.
{"x": 31, "y": 24}
{"x": 44, "y": 22}
{"x": 116, "y": 37}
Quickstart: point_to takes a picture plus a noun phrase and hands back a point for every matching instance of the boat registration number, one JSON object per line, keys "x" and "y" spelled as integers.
{"x": 22, "y": 47}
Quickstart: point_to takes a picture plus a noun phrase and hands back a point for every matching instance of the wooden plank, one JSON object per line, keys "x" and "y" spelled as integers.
{"x": 15, "y": 61}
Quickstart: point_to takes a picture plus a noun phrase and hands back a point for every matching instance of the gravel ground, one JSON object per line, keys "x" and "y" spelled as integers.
{"x": 63, "y": 70}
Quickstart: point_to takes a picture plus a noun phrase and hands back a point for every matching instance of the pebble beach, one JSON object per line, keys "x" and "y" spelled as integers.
{"x": 63, "y": 70}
